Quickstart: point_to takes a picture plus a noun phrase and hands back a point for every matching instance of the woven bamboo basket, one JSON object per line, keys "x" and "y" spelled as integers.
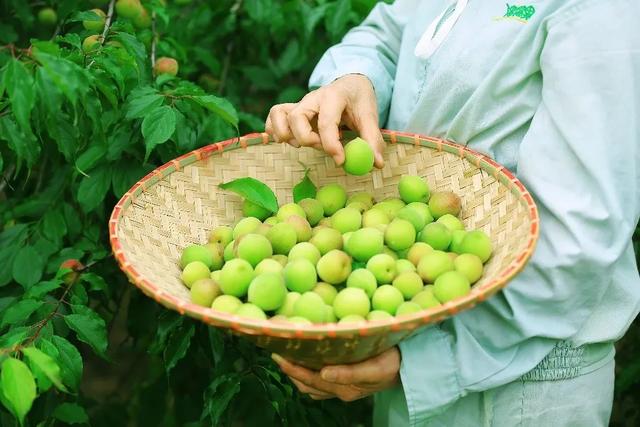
{"x": 178, "y": 203}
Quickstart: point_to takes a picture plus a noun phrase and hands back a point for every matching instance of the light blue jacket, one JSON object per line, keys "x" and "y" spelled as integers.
{"x": 553, "y": 95}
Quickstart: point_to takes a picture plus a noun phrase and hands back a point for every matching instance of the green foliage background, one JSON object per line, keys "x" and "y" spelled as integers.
{"x": 76, "y": 131}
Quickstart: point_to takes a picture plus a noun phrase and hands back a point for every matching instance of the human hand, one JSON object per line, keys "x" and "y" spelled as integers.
{"x": 315, "y": 120}
{"x": 345, "y": 382}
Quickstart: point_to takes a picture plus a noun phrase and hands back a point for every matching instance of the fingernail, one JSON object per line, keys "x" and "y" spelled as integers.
{"x": 277, "y": 358}
{"x": 328, "y": 375}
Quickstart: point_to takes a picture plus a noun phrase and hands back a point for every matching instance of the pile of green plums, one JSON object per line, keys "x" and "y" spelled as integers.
{"x": 341, "y": 259}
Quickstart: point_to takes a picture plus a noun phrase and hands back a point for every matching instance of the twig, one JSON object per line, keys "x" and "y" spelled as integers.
{"x": 41, "y": 174}
{"x": 57, "y": 31}
{"x": 39, "y": 326}
{"x": 154, "y": 39}
{"x": 236, "y": 6}
{"x": 225, "y": 69}
{"x": 227, "y": 60}
{"x": 5, "y": 181}
{"x": 105, "y": 30}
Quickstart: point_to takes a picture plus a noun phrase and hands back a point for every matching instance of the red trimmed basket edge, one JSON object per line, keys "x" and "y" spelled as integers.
{"x": 331, "y": 330}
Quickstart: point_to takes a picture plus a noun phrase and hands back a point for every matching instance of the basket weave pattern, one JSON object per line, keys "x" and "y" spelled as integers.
{"x": 177, "y": 204}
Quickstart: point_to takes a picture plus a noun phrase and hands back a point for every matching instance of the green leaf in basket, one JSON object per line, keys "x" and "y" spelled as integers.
{"x": 305, "y": 189}
{"x": 253, "y": 190}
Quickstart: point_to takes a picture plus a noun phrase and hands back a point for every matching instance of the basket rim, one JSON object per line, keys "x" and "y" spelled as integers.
{"x": 326, "y": 330}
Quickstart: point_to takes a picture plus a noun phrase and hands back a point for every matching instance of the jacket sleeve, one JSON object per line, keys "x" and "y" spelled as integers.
{"x": 371, "y": 49}
{"x": 580, "y": 160}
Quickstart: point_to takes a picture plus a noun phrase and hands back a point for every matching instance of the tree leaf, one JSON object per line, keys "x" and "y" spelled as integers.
{"x": 90, "y": 329}
{"x": 220, "y": 106}
{"x": 54, "y": 226}
{"x": 91, "y": 156}
{"x": 28, "y": 266}
{"x": 125, "y": 174}
{"x": 258, "y": 10}
{"x": 87, "y": 15}
{"x": 6, "y": 302}
{"x": 168, "y": 322}
{"x": 18, "y": 387}
{"x": 157, "y": 127}
{"x": 312, "y": 16}
{"x": 217, "y": 397}
{"x": 290, "y": 59}
{"x": 64, "y": 134}
{"x": 93, "y": 189}
{"x": 71, "y": 413}
{"x": 70, "y": 362}
{"x": 136, "y": 48}
{"x": 177, "y": 346}
{"x": 39, "y": 290}
{"x": 96, "y": 283}
{"x": 337, "y": 17}
{"x": 19, "y": 85}
{"x": 78, "y": 294}
{"x": 216, "y": 343}
{"x": 46, "y": 364}
{"x": 20, "y": 311}
{"x": 142, "y": 101}
{"x": 305, "y": 189}
{"x": 14, "y": 336}
{"x": 11, "y": 240}
{"x": 25, "y": 146}
{"x": 70, "y": 78}
{"x": 253, "y": 190}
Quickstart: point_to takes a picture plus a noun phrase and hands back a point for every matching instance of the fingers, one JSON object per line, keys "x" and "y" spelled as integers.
{"x": 309, "y": 382}
{"x": 277, "y": 123}
{"x": 329, "y": 118}
{"x": 308, "y": 377}
{"x": 366, "y": 115}
{"x": 380, "y": 370}
{"x": 313, "y": 392}
{"x": 300, "y": 121}
{"x": 324, "y": 110}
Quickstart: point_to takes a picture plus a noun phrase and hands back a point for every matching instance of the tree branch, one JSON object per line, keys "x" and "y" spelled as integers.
{"x": 105, "y": 30}
{"x": 154, "y": 39}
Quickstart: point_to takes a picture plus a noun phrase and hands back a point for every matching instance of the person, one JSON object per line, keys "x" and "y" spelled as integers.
{"x": 550, "y": 90}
